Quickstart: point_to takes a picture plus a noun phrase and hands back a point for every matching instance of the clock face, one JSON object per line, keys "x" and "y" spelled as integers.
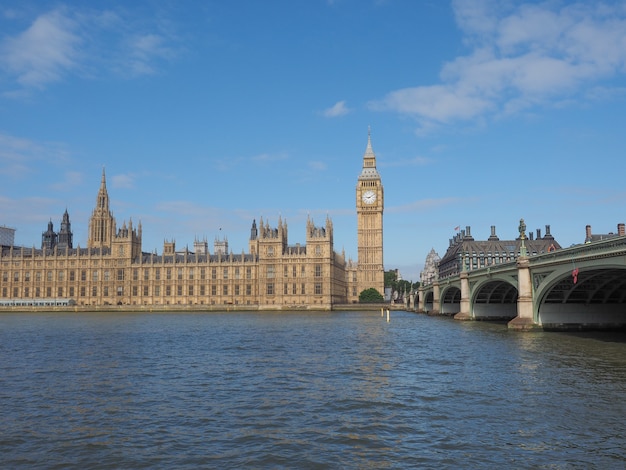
{"x": 369, "y": 197}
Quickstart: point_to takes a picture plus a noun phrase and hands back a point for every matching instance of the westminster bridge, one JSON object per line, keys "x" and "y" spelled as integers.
{"x": 581, "y": 287}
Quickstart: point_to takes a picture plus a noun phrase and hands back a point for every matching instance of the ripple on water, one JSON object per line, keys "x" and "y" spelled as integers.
{"x": 339, "y": 390}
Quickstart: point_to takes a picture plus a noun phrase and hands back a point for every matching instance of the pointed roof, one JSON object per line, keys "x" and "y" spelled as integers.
{"x": 65, "y": 220}
{"x": 369, "y": 152}
{"x": 102, "y": 200}
{"x": 369, "y": 160}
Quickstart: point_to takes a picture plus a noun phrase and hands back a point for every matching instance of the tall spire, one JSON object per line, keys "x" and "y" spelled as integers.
{"x": 369, "y": 160}
{"x": 101, "y": 224}
{"x": 369, "y": 152}
{"x": 103, "y": 196}
{"x": 65, "y": 236}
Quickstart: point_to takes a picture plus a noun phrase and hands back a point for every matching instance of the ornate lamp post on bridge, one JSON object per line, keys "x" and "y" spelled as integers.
{"x": 525, "y": 316}
{"x": 522, "y": 235}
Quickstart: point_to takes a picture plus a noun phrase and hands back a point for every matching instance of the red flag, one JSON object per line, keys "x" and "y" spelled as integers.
{"x": 456, "y": 229}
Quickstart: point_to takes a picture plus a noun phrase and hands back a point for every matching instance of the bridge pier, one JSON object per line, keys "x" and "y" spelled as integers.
{"x": 525, "y": 316}
{"x": 421, "y": 299}
{"x": 436, "y": 299}
{"x": 464, "y": 313}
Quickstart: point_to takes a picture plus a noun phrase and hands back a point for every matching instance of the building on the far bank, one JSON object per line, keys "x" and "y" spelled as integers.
{"x": 63, "y": 239}
{"x": 465, "y": 253}
{"x": 431, "y": 268}
{"x": 272, "y": 274}
{"x": 7, "y": 236}
{"x": 591, "y": 237}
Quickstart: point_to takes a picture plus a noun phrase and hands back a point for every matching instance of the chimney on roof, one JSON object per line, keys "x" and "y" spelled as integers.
{"x": 468, "y": 233}
{"x": 621, "y": 229}
{"x": 530, "y": 235}
{"x": 538, "y": 233}
{"x": 588, "y": 233}
{"x": 548, "y": 235}
{"x": 493, "y": 236}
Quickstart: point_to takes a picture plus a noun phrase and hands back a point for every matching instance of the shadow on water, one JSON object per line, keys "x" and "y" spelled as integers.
{"x": 604, "y": 336}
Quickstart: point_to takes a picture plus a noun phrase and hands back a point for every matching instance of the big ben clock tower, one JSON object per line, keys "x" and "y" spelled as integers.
{"x": 369, "y": 210}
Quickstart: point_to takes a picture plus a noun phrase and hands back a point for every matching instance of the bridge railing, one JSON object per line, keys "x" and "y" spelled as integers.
{"x": 607, "y": 248}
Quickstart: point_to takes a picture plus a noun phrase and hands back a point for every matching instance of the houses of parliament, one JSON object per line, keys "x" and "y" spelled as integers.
{"x": 113, "y": 270}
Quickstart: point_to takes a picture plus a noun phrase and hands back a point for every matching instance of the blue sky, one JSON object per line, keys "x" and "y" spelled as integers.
{"x": 209, "y": 114}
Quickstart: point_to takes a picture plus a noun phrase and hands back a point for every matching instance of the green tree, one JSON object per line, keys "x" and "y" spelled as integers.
{"x": 390, "y": 278}
{"x": 370, "y": 296}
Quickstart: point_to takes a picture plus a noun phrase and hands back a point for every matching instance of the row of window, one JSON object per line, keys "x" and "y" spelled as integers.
{"x": 270, "y": 288}
{"x": 169, "y": 273}
{"x": 167, "y": 290}
{"x": 270, "y": 271}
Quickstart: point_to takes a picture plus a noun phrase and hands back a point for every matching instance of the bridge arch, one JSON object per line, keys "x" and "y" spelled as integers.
{"x": 593, "y": 296}
{"x": 494, "y": 298}
{"x": 450, "y": 303}
{"x": 429, "y": 297}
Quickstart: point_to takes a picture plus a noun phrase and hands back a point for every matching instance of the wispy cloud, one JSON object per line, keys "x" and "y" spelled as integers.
{"x": 44, "y": 52}
{"x": 336, "y": 110}
{"x": 144, "y": 52}
{"x": 262, "y": 159}
{"x": 24, "y": 211}
{"x": 187, "y": 208}
{"x": 61, "y": 43}
{"x": 415, "y": 161}
{"x": 317, "y": 165}
{"x": 18, "y": 155}
{"x": 126, "y": 181}
{"x": 427, "y": 204}
{"x": 269, "y": 157}
{"x": 521, "y": 56}
{"x": 71, "y": 179}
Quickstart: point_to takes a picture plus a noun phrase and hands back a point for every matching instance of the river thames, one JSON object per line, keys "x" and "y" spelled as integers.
{"x": 305, "y": 390}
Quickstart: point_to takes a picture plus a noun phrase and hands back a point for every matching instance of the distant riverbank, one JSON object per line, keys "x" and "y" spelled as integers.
{"x": 171, "y": 308}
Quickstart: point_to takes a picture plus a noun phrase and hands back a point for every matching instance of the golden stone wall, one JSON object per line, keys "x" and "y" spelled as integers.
{"x": 113, "y": 270}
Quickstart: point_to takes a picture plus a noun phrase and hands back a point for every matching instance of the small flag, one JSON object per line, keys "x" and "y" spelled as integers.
{"x": 456, "y": 229}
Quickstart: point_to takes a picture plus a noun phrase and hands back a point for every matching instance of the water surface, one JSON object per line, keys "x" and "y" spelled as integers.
{"x": 305, "y": 390}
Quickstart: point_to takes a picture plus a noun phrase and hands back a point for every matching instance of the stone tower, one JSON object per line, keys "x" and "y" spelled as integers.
{"x": 65, "y": 236}
{"x": 101, "y": 224}
{"x": 49, "y": 238}
{"x": 369, "y": 210}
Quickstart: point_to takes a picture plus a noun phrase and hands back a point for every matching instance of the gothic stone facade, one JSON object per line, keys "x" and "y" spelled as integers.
{"x": 113, "y": 269}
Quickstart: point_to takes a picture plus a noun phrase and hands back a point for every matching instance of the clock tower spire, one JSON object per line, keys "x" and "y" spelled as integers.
{"x": 369, "y": 209}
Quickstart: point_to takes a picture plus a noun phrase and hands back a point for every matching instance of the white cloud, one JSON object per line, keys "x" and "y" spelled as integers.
{"x": 126, "y": 181}
{"x": 87, "y": 43}
{"x": 416, "y": 161}
{"x": 317, "y": 165}
{"x": 521, "y": 56}
{"x": 268, "y": 157}
{"x": 145, "y": 50}
{"x": 338, "y": 109}
{"x": 423, "y": 205}
{"x": 44, "y": 52}
{"x": 18, "y": 155}
{"x": 70, "y": 180}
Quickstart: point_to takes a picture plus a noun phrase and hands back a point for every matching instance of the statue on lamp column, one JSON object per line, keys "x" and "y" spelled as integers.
{"x": 522, "y": 236}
